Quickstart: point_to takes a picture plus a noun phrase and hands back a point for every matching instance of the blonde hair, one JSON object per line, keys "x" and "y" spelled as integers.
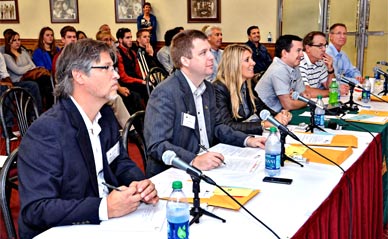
{"x": 229, "y": 73}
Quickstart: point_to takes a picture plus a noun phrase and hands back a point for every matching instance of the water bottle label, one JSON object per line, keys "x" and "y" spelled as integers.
{"x": 272, "y": 161}
{"x": 319, "y": 120}
{"x": 178, "y": 230}
{"x": 365, "y": 97}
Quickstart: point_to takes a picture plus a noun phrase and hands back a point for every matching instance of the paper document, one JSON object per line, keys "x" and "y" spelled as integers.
{"x": 366, "y": 118}
{"x": 311, "y": 139}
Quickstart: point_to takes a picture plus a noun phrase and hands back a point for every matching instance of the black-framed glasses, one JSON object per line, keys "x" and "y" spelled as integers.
{"x": 320, "y": 46}
{"x": 110, "y": 68}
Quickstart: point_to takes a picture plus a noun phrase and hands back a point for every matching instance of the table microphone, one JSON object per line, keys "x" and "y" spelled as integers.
{"x": 384, "y": 63}
{"x": 265, "y": 115}
{"x": 296, "y": 96}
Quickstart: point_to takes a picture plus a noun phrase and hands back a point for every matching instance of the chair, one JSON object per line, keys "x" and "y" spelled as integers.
{"x": 154, "y": 77}
{"x": 133, "y": 130}
{"x": 7, "y": 183}
{"x": 17, "y": 103}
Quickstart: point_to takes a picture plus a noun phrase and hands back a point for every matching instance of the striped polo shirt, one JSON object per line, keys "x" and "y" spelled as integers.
{"x": 313, "y": 75}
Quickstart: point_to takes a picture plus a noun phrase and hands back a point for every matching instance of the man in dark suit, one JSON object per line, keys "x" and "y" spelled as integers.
{"x": 181, "y": 113}
{"x": 71, "y": 152}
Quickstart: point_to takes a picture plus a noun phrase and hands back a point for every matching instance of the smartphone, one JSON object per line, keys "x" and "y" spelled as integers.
{"x": 277, "y": 180}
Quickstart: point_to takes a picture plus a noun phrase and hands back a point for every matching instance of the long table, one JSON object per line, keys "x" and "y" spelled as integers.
{"x": 322, "y": 202}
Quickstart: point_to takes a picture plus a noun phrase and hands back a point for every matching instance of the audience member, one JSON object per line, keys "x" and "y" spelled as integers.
{"x": 283, "y": 76}
{"x": 81, "y": 35}
{"x": 68, "y": 35}
{"x": 19, "y": 63}
{"x": 79, "y": 135}
{"x": 214, "y": 36}
{"x": 144, "y": 47}
{"x": 241, "y": 109}
{"x": 46, "y": 49}
{"x": 163, "y": 55}
{"x": 259, "y": 51}
{"x": 181, "y": 113}
{"x": 5, "y": 33}
{"x": 148, "y": 21}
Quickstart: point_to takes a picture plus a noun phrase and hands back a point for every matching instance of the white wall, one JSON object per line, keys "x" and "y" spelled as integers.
{"x": 236, "y": 17}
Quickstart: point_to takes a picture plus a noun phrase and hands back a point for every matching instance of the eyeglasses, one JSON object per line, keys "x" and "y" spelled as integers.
{"x": 320, "y": 46}
{"x": 110, "y": 68}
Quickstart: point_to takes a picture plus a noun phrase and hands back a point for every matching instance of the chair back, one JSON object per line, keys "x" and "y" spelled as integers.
{"x": 17, "y": 103}
{"x": 7, "y": 182}
{"x": 133, "y": 130}
{"x": 154, "y": 77}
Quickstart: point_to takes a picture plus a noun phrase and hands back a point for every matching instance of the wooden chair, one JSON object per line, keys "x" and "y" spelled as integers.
{"x": 19, "y": 104}
{"x": 154, "y": 77}
{"x": 133, "y": 130}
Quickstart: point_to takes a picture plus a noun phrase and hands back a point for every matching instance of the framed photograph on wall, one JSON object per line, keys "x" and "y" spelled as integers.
{"x": 202, "y": 11}
{"x": 9, "y": 12}
{"x": 64, "y": 11}
{"x": 128, "y": 10}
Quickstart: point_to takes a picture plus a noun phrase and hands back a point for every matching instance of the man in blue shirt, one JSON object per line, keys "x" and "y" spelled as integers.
{"x": 259, "y": 53}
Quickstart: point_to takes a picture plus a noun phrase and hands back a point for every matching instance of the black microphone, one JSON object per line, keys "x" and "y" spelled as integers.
{"x": 296, "y": 96}
{"x": 169, "y": 157}
{"x": 378, "y": 70}
{"x": 348, "y": 81}
{"x": 382, "y": 63}
{"x": 265, "y": 115}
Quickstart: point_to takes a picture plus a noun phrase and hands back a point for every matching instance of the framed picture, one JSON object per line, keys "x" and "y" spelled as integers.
{"x": 9, "y": 12}
{"x": 204, "y": 11}
{"x": 64, "y": 11}
{"x": 128, "y": 10}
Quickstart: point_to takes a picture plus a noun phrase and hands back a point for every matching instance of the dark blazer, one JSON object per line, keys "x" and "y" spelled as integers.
{"x": 163, "y": 129}
{"x": 57, "y": 175}
{"x": 224, "y": 107}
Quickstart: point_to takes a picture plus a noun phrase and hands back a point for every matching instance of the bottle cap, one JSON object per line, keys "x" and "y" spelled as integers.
{"x": 319, "y": 97}
{"x": 272, "y": 129}
{"x": 177, "y": 185}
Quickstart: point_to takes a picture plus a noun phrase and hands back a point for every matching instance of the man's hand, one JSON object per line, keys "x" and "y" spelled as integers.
{"x": 147, "y": 191}
{"x": 328, "y": 60}
{"x": 256, "y": 142}
{"x": 344, "y": 89}
{"x": 123, "y": 91}
{"x": 208, "y": 160}
{"x": 283, "y": 117}
{"x": 123, "y": 202}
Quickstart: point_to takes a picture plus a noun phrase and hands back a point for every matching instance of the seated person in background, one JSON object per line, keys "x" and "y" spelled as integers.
{"x": 241, "y": 109}
{"x": 5, "y": 33}
{"x": 283, "y": 76}
{"x": 81, "y": 35}
{"x": 163, "y": 55}
{"x": 72, "y": 150}
{"x": 19, "y": 62}
{"x": 68, "y": 35}
{"x": 144, "y": 46}
{"x": 214, "y": 36}
{"x": 260, "y": 54}
{"x": 181, "y": 113}
{"x": 46, "y": 49}
{"x": 342, "y": 65}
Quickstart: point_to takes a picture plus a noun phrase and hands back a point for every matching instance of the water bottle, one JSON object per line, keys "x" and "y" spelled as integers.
{"x": 272, "y": 153}
{"x": 269, "y": 37}
{"x": 178, "y": 213}
{"x": 319, "y": 114}
{"x": 365, "y": 97}
{"x": 333, "y": 92}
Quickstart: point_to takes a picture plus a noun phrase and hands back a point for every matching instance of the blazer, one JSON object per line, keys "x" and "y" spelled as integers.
{"x": 224, "y": 107}
{"x": 163, "y": 129}
{"x": 57, "y": 175}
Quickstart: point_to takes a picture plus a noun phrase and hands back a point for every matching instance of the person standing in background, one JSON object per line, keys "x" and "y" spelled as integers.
{"x": 148, "y": 21}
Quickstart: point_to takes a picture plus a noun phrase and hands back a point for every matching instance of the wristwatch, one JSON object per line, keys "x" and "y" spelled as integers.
{"x": 330, "y": 72}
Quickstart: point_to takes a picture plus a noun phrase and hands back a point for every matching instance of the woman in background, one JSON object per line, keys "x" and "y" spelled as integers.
{"x": 46, "y": 49}
{"x": 237, "y": 106}
{"x": 148, "y": 21}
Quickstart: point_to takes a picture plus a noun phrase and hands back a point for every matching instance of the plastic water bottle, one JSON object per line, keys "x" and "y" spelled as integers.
{"x": 269, "y": 37}
{"x": 272, "y": 153}
{"x": 319, "y": 114}
{"x": 365, "y": 97}
{"x": 333, "y": 92}
{"x": 178, "y": 213}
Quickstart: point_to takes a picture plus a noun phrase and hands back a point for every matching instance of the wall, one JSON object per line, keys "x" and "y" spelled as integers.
{"x": 236, "y": 17}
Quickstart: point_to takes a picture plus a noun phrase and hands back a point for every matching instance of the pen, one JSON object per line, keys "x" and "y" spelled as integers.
{"x": 111, "y": 187}
{"x": 206, "y": 150}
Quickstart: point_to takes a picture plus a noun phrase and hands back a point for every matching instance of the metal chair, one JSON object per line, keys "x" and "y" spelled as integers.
{"x": 154, "y": 77}
{"x": 17, "y": 103}
{"x": 133, "y": 130}
{"x": 7, "y": 183}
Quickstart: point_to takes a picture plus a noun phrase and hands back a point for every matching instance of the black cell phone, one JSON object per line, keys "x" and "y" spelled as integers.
{"x": 277, "y": 180}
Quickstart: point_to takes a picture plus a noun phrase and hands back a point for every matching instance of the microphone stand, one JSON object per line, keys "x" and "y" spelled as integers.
{"x": 312, "y": 124}
{"x": 385, "y": 91}
{"x": 284, "y": 157}
{"x": 351, "y": 105}
{"x": 196, "y": 211}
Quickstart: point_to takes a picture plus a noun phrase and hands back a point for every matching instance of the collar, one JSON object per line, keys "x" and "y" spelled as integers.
{"x": 196, "y": 91}
{"x": 90, "y": 126}
{"x": 281, "y": 62}
{"x": 334, "y": 50}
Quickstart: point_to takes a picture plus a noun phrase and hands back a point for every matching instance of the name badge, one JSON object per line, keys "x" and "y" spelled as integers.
{"x": 113, "y": 152}
{"x": 188, "y": 120}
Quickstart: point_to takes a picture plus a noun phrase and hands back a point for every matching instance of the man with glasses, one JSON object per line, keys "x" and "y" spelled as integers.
{"x": 283, "y": 76}
{"x": 342, "y": 64}
{"x": 72, "y": 166}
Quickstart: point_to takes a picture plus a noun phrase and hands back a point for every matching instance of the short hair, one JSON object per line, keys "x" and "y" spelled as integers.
{"x": 336, "y": 25}
{"x": 308, "y": 39}
{"x": 138, "y": 33}
{"x": 182, "y": 44}
{"x": 285, "y": 43}
{"x": 169, "y": 35}
{"x": 121, "y": 32}
{"x": 66, "y": 29}
{"x": 209, "y": 30}
{"x": 78, "y": 33}
{"x": 7, "y": 31}
{"x": 101, "y": 34}
{"x": 147, "y": 4}
{"x": 80, "y": 56}
{"x": 251, "y": 28}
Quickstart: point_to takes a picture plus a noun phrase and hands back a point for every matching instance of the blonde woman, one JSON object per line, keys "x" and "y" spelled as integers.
{"x": 236, "y": 104}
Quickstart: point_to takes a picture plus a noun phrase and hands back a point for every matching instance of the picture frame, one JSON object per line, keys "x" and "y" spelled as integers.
{"x": 203, "y": 11}
{"x": 127, "y": 11}
{"x": 9, "y": 11}
{"x": 64, "y": 11}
